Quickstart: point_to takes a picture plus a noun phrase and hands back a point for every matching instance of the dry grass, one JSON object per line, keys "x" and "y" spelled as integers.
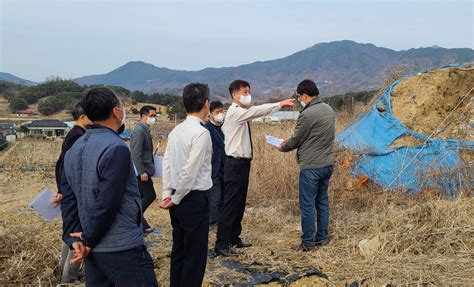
{"x": 423, "y": 240}
{"x": 29, "y": 247}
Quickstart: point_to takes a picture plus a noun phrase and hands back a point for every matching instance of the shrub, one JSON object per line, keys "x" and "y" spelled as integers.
{"x": 18, "y": 104}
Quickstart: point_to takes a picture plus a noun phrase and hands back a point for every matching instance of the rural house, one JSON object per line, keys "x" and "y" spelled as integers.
{"x": 47, "y": 128}
{"x": 278, "y": 117}
{"x": 25, "y": 113}
{"x": 7, "y": 132}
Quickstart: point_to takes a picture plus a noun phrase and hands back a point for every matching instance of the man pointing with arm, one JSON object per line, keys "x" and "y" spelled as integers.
{"x": 239, "y": 151}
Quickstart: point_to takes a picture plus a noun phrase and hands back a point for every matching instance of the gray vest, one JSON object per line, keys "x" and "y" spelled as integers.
{"x": 81, "y": 167}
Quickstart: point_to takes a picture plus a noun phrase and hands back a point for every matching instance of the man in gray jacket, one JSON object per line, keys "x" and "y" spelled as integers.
{"x": 141, "y": 146}
{"x": 314, "y": 138}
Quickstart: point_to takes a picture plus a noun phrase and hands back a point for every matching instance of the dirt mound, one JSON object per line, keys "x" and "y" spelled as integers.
{"x": 422, "y": 102}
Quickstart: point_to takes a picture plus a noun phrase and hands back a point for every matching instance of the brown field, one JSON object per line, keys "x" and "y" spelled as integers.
{"x": 437, "y": 102}
{"x": 6, "y": 114}
{"x": 423, "y": 240}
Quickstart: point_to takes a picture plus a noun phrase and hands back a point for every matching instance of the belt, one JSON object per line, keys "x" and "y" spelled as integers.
{"x": 236, "y": 157}
{"x": 173, "y": 191}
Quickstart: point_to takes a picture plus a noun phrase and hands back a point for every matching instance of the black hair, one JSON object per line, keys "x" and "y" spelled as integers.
{"x": 237, "y": 85}
{"x": 195, "y": 96}
{"x": 216, "y": 105}
{"x": 98, "y": 103}
{"x": 77, "y": 111}
{"x": 307, "y": 87}
{"x": 145, "y": 110}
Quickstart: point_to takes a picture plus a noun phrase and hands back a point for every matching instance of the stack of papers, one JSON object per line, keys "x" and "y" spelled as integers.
{"x": 43, "y": 204}
{"x": 273, "y": 140}
{"x": 158, "y": 166}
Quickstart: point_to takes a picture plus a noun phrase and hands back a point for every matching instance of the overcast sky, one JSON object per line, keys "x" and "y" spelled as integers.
{"x": 75, "y": 38}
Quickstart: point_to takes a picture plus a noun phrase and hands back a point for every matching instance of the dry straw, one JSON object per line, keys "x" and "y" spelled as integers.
{"x": 422, "y": 240}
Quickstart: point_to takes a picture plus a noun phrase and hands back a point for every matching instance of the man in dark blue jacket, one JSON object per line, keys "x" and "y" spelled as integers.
{"x": 218, "y": 158}
{"x": 101, "y": 206}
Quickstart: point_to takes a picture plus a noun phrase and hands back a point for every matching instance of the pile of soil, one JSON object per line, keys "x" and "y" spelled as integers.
{"x": 423, "y": 101}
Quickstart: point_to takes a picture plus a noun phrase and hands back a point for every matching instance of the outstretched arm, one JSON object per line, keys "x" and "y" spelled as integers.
{"x": 262, "y": 110}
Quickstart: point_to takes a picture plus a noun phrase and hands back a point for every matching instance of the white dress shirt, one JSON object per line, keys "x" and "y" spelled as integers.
{"x": 236, "y": 129}
{"x": 187, "y": 160}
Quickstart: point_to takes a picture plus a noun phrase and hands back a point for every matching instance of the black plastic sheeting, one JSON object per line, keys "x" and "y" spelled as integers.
{"x": 258, "y": 274}
{"x": 247, "y": 275}
{"x": 153, "y": 238}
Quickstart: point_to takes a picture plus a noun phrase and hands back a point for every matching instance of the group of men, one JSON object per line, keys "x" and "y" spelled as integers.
{"x": 104, "y": 188}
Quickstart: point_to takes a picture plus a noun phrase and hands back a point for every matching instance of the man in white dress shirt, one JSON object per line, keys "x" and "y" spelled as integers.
{"x": 186, "y": 183}
{"x": 239, "y": 151}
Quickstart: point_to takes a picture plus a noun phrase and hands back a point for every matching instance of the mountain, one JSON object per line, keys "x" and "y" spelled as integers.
{"x": 338, "y": 67}
{"x": 14, "y": 79}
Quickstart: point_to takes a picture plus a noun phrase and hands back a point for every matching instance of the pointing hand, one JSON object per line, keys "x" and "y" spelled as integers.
{"x": 287, "y": 103}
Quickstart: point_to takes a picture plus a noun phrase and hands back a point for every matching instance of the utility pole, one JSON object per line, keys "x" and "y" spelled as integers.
{"x": 352, "y": 105}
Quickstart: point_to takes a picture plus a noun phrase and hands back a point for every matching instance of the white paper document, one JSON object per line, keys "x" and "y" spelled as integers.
{"x": 273, "y": 140}
{"x": 158, "y": 166}
{"x": 135, "y": 170}
{"x": 43, "y": 204}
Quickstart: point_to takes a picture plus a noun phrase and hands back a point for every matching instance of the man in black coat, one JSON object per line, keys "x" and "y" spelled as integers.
{"x": 69, "y": 271}
{"x": 218, "y": 158}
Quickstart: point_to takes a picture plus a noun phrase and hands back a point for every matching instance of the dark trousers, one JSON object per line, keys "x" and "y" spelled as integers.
{"x": 236, "y": 179}
{"x": 148, "y": 195}
{"x": 190, "y": 222}
{"x": 133, "y": 267}
{"x": 314, "y": 204}
{"x": 215, "y": 197}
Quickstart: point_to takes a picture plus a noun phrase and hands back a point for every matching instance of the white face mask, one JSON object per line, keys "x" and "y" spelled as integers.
{"x": 124, "y": 116}
{"x": 219, "y": 117}
{"x": 303, "y": 104}
{"x": 150, "y": 121}
{"x": 246, "y": 100}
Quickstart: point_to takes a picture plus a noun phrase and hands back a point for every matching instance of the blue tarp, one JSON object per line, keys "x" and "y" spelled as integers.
{"x": 126, "y": 134}
{"x": 407, "y": 168}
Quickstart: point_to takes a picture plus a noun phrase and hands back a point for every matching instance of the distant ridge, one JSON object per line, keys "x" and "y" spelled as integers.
{"x": 14, "y": 79}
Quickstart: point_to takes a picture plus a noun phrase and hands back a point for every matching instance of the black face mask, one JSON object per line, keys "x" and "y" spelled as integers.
{"x": 121, "y": 129}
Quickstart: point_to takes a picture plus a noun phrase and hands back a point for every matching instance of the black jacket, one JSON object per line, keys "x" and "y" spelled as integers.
{"x": 218, "y": 151}
{"x": 71, "y": 137}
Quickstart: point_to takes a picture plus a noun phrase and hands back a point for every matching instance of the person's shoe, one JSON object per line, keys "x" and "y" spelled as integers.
{"x": 148, "y": 231}
{"x": 213, "y": 227}
{"x": 302, "y": 247}
{"x": 211, "y": 254}
{"x": 322, "y": 242}
{"x": 242, "y": 244}
{"x": 227, "y": 252}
